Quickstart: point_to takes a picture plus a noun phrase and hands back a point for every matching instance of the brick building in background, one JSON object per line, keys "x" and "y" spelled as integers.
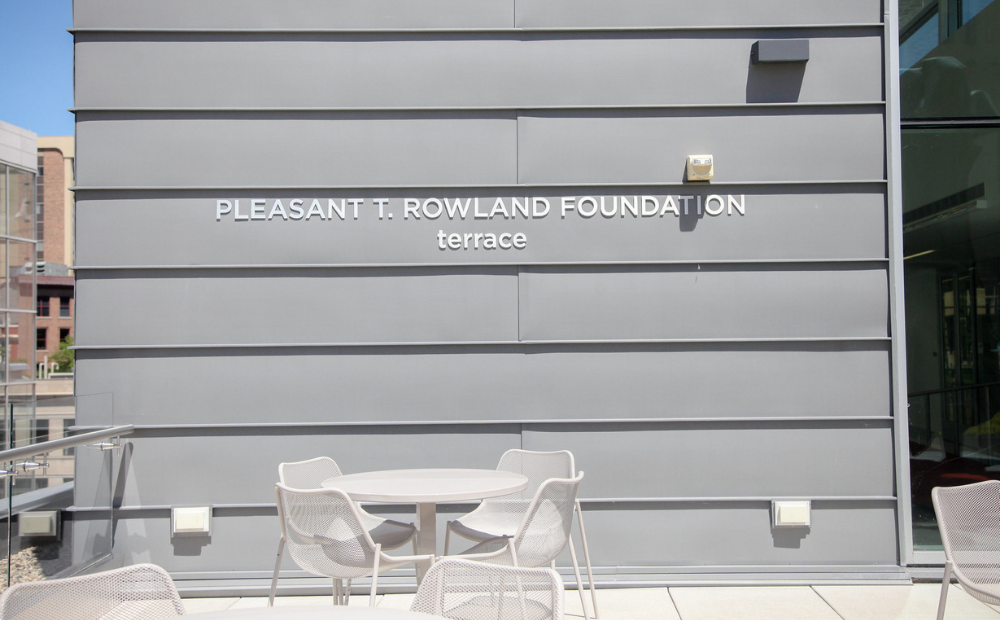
{"x": 54, "y": 222}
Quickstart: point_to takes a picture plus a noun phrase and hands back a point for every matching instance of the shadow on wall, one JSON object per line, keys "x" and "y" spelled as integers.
{"x": 774, "y": 83}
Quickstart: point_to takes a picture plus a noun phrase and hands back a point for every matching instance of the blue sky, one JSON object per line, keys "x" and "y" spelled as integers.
{"x": 36, "y": 70}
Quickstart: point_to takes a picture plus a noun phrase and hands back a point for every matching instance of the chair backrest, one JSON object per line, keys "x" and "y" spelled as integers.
{"x": 546, "y": 528}
{"x": 323, "y": 532}
{"x": 466, "y": 590}
{"x": 308, "y": 474}
{"x": 969, "y": 521}
{"x": 538, "y": 467}
{"x": 137, "y": 592}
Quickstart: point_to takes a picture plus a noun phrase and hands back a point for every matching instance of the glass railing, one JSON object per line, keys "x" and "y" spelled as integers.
{"x": 954, "y": 440}
{"x": 45, "y": 532}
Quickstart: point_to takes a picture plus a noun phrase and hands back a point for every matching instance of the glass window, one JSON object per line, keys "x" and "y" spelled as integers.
{"x": 21, "y": 202}
{"x": 67, "y": 423}
{"x": 951, "y": 247}
{"x": 922, "y": 40}
{"x": 971, "y": 8}
{"x": 956, "y": 78}
{"x": 43, "y": 306}
{"x": 3, "y": 200}
{"x": 41, "y": 430}
{"x": 41, "y": 338}
{"x": 64, "y": 306}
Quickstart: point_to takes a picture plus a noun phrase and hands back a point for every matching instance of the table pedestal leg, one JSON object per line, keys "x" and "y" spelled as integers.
{"x": 426, "y": 534}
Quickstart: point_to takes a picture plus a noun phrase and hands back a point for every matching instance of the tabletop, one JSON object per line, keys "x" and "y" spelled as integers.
{"x": 428, "y": 485}
{"x": 313, "y": 612}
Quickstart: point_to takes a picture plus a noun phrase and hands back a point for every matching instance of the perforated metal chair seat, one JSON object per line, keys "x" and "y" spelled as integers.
{"x": 464, "y": 590}
{"x": 138, "y": 592}
{"x": 386, "y": 532}
{"x": 492, "y": 519}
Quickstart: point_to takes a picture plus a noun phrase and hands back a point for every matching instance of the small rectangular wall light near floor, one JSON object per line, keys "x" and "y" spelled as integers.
{"x": 790, "y": 513}
{"x": 44, "y": 523}
{"x": 780, "y": 50}
{"x": 191, "y": 521}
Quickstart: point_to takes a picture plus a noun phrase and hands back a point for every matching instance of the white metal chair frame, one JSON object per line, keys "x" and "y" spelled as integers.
{"x": 137, "y": 592}
{"x": 969, "y": 520}
{"x": 324, "y": 532}
{"x": 466, "y": 590}
{"x": 310, "y": 474}
{"x": 501, "y": 516}
{"x": 547, "y": 522}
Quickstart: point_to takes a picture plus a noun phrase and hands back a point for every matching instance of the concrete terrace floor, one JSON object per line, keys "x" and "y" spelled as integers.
{"x": 881, "y": 602}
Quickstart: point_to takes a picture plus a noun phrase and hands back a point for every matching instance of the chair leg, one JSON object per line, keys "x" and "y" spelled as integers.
{"x": 945, "y": 584}
{"x": 277, "y": 567}
{"x": 371, "y": 596}
{"x": 579, "y": 581}
{"x": 447, "y": 537}
{"x": 336, "y": 591}
{"x": 586, "y": 560}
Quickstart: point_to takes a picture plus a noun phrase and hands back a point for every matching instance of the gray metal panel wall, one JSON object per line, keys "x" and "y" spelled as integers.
{"x": 489, "y": 383}
{"x": 699, "y": 362}
{"x": 445, "y": 14}
{"x": 514, "y": 70}
{"x": 816, "y": 222}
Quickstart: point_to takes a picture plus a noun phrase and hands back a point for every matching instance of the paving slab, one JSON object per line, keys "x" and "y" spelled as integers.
{"x": 751, "y": 603}
{"x": 904, "y": 602}
{"x": 626, "y": 604}
{"x": 203, "y": 605}
{"x": 394, "y": 601}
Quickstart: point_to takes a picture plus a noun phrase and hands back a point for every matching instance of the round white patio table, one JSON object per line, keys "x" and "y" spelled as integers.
{"x": 426, "y": 488}
{"x": 313, "y": 612}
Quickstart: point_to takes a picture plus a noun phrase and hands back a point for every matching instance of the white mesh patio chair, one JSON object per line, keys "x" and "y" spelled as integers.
{"x": 310, "y": 474}
{"x": 542, "y": 535}
{"x": 464, "y": 590}
{"x": 137, "y": 592}
{"x": 969, "y": 520}
{"x": 501, "y": 516}
{"x": 323, "y": 532}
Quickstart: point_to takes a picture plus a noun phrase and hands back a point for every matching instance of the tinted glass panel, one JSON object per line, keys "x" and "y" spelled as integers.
{"x": 21, "y": 200}
{"x": 920, "y": 41}
{"x": 959, "y": 77}
{"x": 951, "y": 239}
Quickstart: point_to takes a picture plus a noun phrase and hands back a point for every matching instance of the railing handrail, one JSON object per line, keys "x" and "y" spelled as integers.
{"x": 65, "y": 442}
{"x": 953, "y": 389}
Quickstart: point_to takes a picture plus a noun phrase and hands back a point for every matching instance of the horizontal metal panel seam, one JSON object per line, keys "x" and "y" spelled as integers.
{"x": 295, "y": 426}
{"x": 375, "y": 109}
{"x": 440, "y": 186}
{"x": 583, "y": 500}
{"x": 775, "y": 261}
{"x": 476, "y": 343}
{"x": 474, "y": 31}
{"x": 598, "y": 111}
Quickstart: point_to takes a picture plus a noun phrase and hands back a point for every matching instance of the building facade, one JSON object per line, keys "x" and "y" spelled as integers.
{"x": 17, "y": 290}
{"x": 54, "y": 254}
{"x": 410, "y": 235}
